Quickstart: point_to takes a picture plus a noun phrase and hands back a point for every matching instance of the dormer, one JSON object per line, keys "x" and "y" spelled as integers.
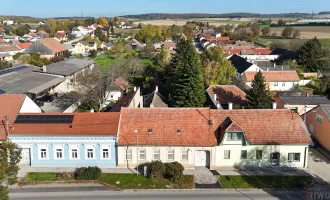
{"x": 232, "y": 133}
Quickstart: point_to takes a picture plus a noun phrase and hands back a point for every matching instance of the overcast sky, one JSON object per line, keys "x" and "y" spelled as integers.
{"x": 68, "y": 8}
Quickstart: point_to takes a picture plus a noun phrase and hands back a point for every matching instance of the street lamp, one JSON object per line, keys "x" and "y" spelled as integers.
{"x": 137, "y": 152}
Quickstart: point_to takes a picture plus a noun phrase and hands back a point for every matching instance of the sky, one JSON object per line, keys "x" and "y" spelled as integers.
{"x": 109, "y": 8}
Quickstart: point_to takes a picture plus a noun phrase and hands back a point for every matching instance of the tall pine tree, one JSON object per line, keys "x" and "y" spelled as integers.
{"x": 187, "y": 88}
{"x": 311, "y": 56}
{"x": 258, "y": 96}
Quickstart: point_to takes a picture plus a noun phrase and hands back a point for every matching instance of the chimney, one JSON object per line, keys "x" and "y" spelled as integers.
{"x": 274, "y": 105}
{"x": 274, "y": 64}
{"x": 230, "y": 106}
{"x": 215, "y": 97}
{"x": 218, "y": 105}
{"x": 92, "y": 110}
{"x": 141, "y": 101}
{"x": 267, "y": 69}
{"x": 156, "y": 90}
{"x": 44, "y": 68}
{"x": 282, "y": 67}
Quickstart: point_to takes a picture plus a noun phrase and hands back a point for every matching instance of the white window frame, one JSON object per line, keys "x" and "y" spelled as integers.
{"x": 142, "y": 152}
{"x": 128, "y": 152}
{"x": 184, "y": 152}
{"x": 90, "y": 147}
{"x": 259, "y": 150}
{"x": 168, "y": 153}
{"x": 102, "y": 150}
{"x": 74, "y": 147}
{"x": 319, "y": 118}
{"x": 294, "y": 155}
{"x": 229, "y": 136}
{"x": 224, "y": 155}
{"x": 283, "y": 84}
{"x": 40, "y": 147}
{"x": 61, "y": 147}
{"x": 155, "y": 152}
{"x": 245, "y": 154}
{"x": 275, "y": 84}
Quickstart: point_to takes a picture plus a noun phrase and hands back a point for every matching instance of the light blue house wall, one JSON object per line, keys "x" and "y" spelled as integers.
{"x": 32, "y": 144}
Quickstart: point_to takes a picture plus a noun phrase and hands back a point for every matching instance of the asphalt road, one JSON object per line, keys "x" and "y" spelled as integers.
{"x": 160, "y": 195}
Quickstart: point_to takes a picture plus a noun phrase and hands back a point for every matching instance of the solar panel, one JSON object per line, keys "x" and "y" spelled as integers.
{"x": 44, "y": 119}
{"x": 5, "y": 71}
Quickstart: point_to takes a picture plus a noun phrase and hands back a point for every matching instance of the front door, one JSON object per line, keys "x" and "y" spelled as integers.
{"x": 25, "y": 156}
{"x": 202, "y": 159}
{"x": 275, "y": 159}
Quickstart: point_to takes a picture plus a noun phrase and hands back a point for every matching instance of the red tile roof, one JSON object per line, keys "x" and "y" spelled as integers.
{"x": 24, "y": 45}
{"x": 260, "y": 126}
{"x": 275, "y": 76}
{"x": 10, "y": 105}
{"x": 60, "y": 35}
{"x": 261, "y": 51}
{"x": 227, "y": 93}
{"x": 234, "y": 52}
{"x": 2, "y": 40}
{"x": 83, "y": 124}
{"x": 53, "y": 45}
{"x": 224, "y": 38}
{"x": 8, "y": 48}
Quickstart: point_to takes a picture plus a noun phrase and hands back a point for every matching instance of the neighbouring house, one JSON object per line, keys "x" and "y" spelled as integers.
{"x": 318, "y": 123}
{"x": 226, "y": 97}
{"x": 106, "y": 45}
{"x": 10, "y": 106}
{"x": 154, "y": 100}
{"x": 41, "y": 23}
{"x": 118, "y": 90}
{"x": 135, "y": 45}
{"x": 300, "y": 104}
{"x": 275, "y": 80}
{"x": 171, "y": 46}
{"x": 66, "y": 140}
{"x": 42, "y": 34}
{"x": 24, "y": 46}
{"x": 242, "y": 65}
{"x": 7, "y": 52}
{"x": 47, "y": 48}
{"x": 83, "y": 47}
{"x": 130, "y": 99}
{"x": 61, "y": 36}
{"x": 8, "y": 22}
{"x": 2, "y": 31}
{"x": 81, "y": 31}
{"x": 212, "y": 138}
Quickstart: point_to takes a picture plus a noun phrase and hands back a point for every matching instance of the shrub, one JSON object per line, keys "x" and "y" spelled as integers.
{"x": 17, "y": 55}
{"x": 156, "y": 169}
{"x": 89, "y": 173}
{"x": 173, "y": 171}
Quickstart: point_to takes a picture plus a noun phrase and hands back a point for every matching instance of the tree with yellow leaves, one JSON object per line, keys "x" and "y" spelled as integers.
{"x": 103, "y": 21}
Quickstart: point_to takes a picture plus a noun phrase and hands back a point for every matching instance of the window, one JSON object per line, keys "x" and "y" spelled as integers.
{"x": 275, "y": 84}
{"x": 128, "y": 155}
{"x": 259, "y": 154}
{"x": 170, "y": 155}
{"x": 178, "y": 131}
{"x": 142, "y": 154}
{"x": 156, "y": 155}
{"x": 74, "y": 153}
{"x": 59, "y": 153}
{"x": 227, "y": 154}
{"x": 234, "y": 136}
{"x": 294, "y": 157}
{"x": 90, "y": 153}
{"x": 283, "y": 84}
{"x": 319, "y": 118}
{"x": 150, "y": 130}
{"x": 311, "y": 128}
{"x": 184, "y": 155}
{"x": 105, "y": 152}
{"x": 274, "y": 156}
{"x": 43, "y": 153}
{"x": 244, "y": 154}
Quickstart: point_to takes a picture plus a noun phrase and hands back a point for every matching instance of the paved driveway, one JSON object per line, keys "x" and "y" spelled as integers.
{"x": 319, "y": 164}
{"x": 204, "y": 178}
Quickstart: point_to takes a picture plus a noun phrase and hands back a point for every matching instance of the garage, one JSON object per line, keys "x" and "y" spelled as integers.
{"x": 26, "y": 158}
{"x": 202, "y": 159}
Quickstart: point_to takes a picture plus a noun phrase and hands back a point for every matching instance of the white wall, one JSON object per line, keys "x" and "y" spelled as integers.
{"x": 253, "y": 68}
{"x": 29, "y": 106}
{"x": 235, "y": 155}
{"x": 271, "y": 86}
{"x": 122, "y": 163}
{"x": 260, "y": 57}
{"x": 116, "y": 95}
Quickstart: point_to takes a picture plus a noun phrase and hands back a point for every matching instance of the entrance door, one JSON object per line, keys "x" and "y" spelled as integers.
{"x": 202, "y": 159}
{"x": 275, "y": 159}
{"x": 25, "y": 156}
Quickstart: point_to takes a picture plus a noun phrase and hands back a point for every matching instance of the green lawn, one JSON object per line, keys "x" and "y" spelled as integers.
{"x": 264, "y": 182}
{"x": 36, "y": 176}
{"x": 103, "y": 61}
{"x": 132, "y": 181}
{"x": 268, "y": 41}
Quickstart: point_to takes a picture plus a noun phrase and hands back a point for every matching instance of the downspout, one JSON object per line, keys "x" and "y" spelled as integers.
{"x": 305, "y": 157}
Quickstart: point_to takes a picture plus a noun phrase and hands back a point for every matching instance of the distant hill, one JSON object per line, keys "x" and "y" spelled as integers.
{"x": 324, "y": 13}
{"x": 226, "y": 15}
